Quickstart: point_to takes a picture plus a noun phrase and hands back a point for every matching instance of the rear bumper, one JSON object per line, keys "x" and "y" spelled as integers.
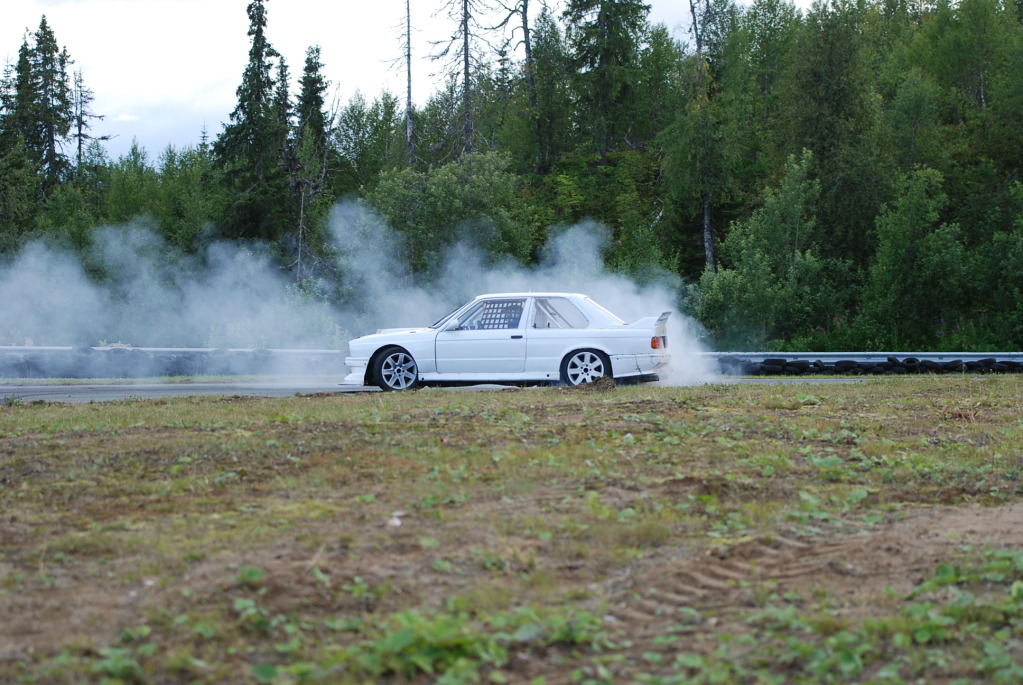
{"x": 625, "y": 365}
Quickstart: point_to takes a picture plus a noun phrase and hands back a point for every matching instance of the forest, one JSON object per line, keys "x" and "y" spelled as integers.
{"x": 841, "y": 177}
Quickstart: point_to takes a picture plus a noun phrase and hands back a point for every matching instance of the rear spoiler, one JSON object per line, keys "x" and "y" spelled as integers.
{"x": 659, "y": 328}
{"x": 658, "y": 324}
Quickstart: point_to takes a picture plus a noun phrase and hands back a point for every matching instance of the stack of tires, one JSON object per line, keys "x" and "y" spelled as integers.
{"x": 780, "y": 366}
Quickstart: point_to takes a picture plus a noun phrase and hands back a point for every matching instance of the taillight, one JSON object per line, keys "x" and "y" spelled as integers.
{"x": 658, "y": 342}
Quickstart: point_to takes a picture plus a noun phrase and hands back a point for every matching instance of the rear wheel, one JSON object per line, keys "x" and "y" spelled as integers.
{"x": 584, "y": 366}
{"x": 395, "y": 369}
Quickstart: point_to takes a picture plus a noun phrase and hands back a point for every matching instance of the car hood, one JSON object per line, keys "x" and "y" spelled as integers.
{"x": 396, "y": 336}
{"x": 388, "y": 331}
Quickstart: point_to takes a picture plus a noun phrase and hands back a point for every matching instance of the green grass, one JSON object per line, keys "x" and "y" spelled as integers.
{"x": 719, "y": 534}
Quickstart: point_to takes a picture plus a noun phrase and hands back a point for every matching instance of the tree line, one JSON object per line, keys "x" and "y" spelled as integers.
{"x": 844, "y": 177}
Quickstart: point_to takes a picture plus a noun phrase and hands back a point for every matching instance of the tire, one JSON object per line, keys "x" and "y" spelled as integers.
{"x": 395, "y": 369}
{"x": 584, "y": 366}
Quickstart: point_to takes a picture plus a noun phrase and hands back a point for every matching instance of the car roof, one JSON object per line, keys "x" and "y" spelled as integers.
{"x": 596, "y": 313}
{"x": 529, "y": 294}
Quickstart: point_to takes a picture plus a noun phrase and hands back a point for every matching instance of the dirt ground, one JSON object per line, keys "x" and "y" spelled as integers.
{"x": 361, "y": 509}
{"x": 86, "y": 606}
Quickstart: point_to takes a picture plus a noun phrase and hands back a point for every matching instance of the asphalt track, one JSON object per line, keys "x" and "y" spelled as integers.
{"x": 108, "y": 392}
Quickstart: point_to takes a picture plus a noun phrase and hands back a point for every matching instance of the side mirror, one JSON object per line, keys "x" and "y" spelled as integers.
{"x": 453, "y": 325}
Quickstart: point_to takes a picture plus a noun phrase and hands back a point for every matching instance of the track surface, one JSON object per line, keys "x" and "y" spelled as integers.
{"x": 104, "y": 392}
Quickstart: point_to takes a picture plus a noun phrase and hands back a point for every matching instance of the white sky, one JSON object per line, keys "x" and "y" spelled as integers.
{"x": 161, "y": 70}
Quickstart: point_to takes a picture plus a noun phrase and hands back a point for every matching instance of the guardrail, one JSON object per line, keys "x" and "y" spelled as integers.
{"x": 136, "y": 362}
{"x": 866, "y": 363}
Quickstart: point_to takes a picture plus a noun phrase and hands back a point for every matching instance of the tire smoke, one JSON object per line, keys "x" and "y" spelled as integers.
{"x": 131, "y": 288}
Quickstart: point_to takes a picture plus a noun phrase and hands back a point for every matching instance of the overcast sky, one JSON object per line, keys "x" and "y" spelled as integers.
{"x": 161, "y": 70}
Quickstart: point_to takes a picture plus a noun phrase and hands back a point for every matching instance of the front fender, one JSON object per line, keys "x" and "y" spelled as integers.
{"x": 421, "y": 349}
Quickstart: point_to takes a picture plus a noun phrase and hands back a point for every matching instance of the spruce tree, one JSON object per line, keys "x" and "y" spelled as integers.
{"x": 553, "y": 112}
{"x": 308, "y": 162}
{"x": 38, "y": 106}
{"x": 55, "y": 112}
{"x": 604, "y": 35}
{"x": 311, "y": 103}
{"x": 248, "y": 151}
{"x": 17, "y": 198}
{"x": 17, "y": 103}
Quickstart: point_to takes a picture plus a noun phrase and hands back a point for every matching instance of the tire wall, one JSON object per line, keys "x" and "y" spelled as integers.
{"x": 864, "y": 365}
{"x": 126, "y": 362}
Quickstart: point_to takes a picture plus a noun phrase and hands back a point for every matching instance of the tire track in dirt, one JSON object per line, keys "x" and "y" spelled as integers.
{"x": 712, "y": 591}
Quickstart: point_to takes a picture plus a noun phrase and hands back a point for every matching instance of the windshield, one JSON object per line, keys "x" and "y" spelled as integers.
{"x": 447, "y": 317}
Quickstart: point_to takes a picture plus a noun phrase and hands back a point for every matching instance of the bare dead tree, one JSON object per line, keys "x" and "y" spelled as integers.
{"x": 410, "y": 144}
{"x": 462, "y": 51}
{"x": 81, "y": 98}
{"x": 405, "y": 37}
{"x": 520, "y": 10}
{"x": 701, "y": 94}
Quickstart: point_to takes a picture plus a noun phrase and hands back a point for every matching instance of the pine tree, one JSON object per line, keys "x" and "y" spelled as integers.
{"x": 186, "y": 197}
{"x": 553, "y": 113}
{"x": 38, "y": 106}
{"x": 311, "y": 103}
{"x": 366, "y": 135}
{"x": 604, "y": 35}
{"x": 17, "y": 103}
{"x": 55, "y": 112}
{"x": 17, "y": 198}
{"x": 830, "y": 111}
{"x": 248, "y": 152}
{"x": 308, "y": 162}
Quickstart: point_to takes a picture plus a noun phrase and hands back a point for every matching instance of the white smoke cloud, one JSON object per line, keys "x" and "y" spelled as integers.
{"x": 46, "y": 299}
{"x": 234, "y": 296}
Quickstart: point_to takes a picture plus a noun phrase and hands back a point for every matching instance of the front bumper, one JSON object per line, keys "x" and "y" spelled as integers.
{"x": 356, "y": 370}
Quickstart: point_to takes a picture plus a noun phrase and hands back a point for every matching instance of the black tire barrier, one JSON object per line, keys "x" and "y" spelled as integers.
{"x": 127, "y": 362}
{"x": 892, "y": 366}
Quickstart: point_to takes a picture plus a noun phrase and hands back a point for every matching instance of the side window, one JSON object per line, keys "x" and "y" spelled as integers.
{"x": 494, "y": 314}
{"x": 556, "y": 312}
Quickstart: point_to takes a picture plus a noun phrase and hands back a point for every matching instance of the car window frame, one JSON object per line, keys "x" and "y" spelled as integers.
{"x": 554, "y": 314}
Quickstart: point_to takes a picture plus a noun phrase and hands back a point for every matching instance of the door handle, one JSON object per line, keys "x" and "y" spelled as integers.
{"x": 516, "y": 337}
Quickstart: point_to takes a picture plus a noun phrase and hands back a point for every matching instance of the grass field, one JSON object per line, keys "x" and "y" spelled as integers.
{"x": 861, "y": 532}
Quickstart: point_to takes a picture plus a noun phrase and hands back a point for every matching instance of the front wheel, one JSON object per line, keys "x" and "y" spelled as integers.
{"x": 584, "y": 366}
{"x": 395, "y": 369}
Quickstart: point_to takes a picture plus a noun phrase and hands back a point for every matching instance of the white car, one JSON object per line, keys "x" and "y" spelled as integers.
{"x": 513, "y": 337}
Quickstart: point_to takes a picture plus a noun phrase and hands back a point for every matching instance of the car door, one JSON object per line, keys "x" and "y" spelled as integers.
{"x": 488, "y": 339}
